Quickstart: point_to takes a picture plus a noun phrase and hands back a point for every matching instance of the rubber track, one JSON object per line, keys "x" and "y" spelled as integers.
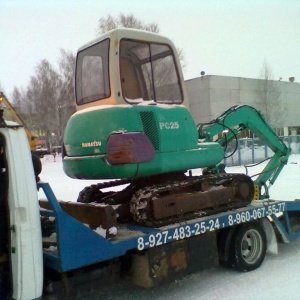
{"x": 142, "y": 196}
{"x": 140, "y": 203}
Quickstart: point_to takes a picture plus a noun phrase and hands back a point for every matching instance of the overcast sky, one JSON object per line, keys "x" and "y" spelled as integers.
{"x": 225, "y": 37}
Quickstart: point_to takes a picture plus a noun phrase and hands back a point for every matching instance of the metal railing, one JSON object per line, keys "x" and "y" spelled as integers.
{"x": 252, "y": 150}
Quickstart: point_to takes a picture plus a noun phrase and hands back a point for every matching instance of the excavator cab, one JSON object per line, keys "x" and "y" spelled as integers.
{"x": 128, "y": 67}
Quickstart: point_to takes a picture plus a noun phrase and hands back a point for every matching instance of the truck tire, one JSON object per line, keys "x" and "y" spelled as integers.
{"x": 248, "y": 247}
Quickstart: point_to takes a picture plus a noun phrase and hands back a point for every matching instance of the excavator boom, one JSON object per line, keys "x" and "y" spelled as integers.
{"x": 239, "y": 118}
{"x": 13, "y": 115}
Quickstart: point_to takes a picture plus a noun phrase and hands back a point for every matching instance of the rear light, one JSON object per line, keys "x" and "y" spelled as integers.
{"x": 129, "y": 148}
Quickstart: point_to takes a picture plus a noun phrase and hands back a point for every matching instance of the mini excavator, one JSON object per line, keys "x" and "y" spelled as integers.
{"x": 133, "y": 132}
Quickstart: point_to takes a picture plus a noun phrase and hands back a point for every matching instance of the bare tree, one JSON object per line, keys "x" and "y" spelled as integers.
{"x": 43, "y": 96}
{"x": 17, "y": 97}
{"x": 270, "y": 102}
{"x": 19, "y": 104}
{"x": 66, "y": 102}
{"x": 127, "y": 21}
{"x": 130, "y": 21}
{"x": 48, "y": 101}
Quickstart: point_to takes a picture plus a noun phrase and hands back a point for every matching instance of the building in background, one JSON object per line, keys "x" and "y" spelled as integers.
{"x": 279, "y": 101}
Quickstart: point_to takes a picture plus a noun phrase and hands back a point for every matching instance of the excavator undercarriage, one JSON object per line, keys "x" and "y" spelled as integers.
{"x": 161, "y": 202}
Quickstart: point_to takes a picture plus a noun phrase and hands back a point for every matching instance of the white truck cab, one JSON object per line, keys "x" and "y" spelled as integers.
{"x": 21, "y": 262}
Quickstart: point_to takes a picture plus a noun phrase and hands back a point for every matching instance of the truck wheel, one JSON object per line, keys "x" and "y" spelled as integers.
{"x": 248, "y": 247}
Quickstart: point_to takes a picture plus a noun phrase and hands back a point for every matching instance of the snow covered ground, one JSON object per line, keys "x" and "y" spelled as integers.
{"x": 277, "y": 278}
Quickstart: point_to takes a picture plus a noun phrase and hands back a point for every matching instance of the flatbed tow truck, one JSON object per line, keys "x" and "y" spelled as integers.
{"x": 156, "y": 254}
{"x": 58, "y": 248}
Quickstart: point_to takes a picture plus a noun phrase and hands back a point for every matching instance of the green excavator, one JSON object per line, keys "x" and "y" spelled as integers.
{"x": 132, "y": 125}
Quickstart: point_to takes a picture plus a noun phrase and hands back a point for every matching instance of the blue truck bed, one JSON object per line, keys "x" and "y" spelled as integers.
{"x": 78, "y": 246}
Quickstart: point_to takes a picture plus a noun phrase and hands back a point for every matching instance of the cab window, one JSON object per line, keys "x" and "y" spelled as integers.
{"x": 148, "y": 72}
{"x": 92, "y": 75}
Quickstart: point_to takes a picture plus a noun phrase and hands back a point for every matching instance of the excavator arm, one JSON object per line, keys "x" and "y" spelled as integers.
{"x": 32, "y": 139}
{"x": 237, "y": 119}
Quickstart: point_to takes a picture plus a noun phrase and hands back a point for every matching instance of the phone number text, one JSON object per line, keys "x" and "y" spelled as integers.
{"x": 208, "y": 225}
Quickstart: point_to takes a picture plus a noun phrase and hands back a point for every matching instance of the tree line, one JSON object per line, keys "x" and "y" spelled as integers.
{"x": 47, "y": 103}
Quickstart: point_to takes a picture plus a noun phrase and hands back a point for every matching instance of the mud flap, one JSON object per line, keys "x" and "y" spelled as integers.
{"x": 272, "y": 246}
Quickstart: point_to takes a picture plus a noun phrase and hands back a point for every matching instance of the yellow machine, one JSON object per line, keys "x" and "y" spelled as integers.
{"x": 13, "y": 116}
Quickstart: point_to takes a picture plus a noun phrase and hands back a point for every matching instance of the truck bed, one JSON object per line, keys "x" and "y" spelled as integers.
{"x": 75, "y": 245}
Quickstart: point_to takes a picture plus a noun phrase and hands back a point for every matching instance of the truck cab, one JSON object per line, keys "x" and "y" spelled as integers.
{"x": 21, "y": 263}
